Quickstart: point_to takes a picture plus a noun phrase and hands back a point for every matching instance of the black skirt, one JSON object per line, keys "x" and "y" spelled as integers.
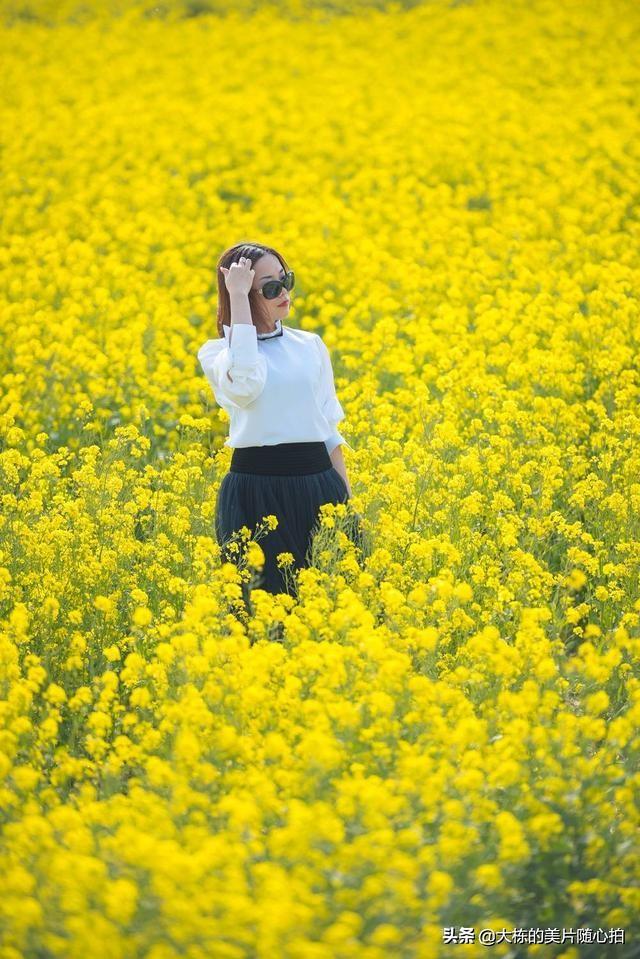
{"x": 288, "y": 480}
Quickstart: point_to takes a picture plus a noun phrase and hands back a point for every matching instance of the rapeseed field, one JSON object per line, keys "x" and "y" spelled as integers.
{"x": 438, "y": 733}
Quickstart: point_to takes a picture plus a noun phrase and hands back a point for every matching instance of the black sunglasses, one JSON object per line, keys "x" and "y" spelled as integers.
{"x": 273, "y": 288}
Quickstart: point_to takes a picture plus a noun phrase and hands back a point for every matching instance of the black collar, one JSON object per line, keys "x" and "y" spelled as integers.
{"x": 279, "y": 330}
{"x": 269, "y": 336}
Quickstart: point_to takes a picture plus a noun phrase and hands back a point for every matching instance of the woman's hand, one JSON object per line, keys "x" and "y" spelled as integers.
{"x": 239, "y": 276}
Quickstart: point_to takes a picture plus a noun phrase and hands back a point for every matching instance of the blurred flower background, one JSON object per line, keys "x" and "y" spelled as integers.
{"x": 441, "y": 732}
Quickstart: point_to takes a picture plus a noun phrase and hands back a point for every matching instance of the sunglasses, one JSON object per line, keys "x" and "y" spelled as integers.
{"x": 273, "y": 288}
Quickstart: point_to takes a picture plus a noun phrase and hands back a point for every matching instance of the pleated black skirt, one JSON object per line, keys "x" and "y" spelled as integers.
{"x": 288, "y": 480}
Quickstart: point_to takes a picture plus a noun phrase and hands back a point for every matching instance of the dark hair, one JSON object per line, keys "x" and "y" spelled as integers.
{"x": 253, "y": 252}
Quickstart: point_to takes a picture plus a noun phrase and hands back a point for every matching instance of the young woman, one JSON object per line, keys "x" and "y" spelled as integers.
{"x": 276, "y": 383}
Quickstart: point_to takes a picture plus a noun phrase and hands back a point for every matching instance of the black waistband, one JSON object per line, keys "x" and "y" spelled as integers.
{"x": 282, "y": 459}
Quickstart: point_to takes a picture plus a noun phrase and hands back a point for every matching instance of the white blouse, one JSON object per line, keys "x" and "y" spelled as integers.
{"x": 282, "y": 388}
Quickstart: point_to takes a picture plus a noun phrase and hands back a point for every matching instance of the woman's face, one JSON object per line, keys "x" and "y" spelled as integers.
{"x": 268, "y": 267}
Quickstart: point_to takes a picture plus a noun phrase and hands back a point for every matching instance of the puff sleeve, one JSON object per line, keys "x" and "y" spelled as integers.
{"x": 327, "y": 399}
{"x": 242, "y": 362}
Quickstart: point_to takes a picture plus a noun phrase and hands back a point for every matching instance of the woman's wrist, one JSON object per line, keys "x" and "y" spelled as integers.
{"x": 240, "y": 309}
{"x": 239, "y": 296}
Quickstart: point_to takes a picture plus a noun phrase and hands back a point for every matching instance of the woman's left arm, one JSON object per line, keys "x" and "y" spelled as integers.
{"x": 337, "y": 460}
{"x": 333, "y": 413}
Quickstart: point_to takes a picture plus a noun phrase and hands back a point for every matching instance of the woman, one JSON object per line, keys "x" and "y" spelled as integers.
{"x": 276, "y": 383}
